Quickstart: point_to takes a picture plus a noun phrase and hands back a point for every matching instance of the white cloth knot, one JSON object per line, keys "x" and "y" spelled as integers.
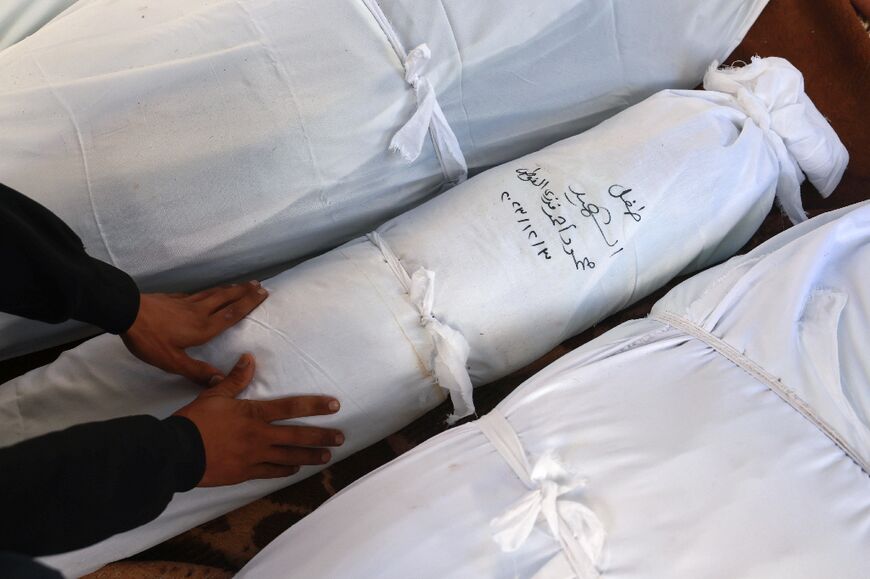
{"x": 414, "y": 64}
{"x": 770, "y": 91}
{"x": 408, "y": 141}
{"x": 574, "y": 525}
{"x": 450, "y": 348}
{"x": 428, "y": 119}
{"x": 754, "y": 107}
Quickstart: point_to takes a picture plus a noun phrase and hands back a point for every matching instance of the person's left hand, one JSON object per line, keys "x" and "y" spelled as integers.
{"x": 167, "y": 324}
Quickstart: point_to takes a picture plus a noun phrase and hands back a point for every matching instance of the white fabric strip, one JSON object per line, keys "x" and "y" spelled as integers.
{"x": 450, "y": 348}
{"x": 770, "y": 91}
{"x": 579, "y": 531}
{"x": 428, "y": 118}
{"x": 763, "y": 376}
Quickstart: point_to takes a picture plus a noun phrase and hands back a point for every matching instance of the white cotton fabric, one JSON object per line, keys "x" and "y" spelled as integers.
{"x": 21, "y": 18}
{"x": 195, "y": 141}
{"x": 579, "y": 531}
{"x": 693, "y": 466}
{"x": 457, "y": 292}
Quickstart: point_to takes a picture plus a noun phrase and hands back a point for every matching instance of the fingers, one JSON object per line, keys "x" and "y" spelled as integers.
{"x": 238, "y": 378}
{"x": 199, "y": 296}
{"x": 265, "y": 470}
{"x": 297, "y": 407}
{"x": 292, "y": 456}
{"x": 309, "y": 436}
{"x": 285, "y": 461}
{"x": 197, "y": 371}
{"x": 217, "y": 298}
{"x": 245, "y": 299}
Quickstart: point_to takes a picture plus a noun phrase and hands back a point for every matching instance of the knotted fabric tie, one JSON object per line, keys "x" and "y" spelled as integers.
{"x": 428, "y": 118}
{"x": 450, "y": 348}
{"x": 770, "y": 91}
{"x": 578, "y": 530}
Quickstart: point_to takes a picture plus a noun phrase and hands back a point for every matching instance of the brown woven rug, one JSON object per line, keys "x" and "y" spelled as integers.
{"x": 825, "y": 39}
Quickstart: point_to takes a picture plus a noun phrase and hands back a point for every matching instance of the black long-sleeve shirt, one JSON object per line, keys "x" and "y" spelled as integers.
{"x": 49, "y": 277}
{"x": 68, "y": 489}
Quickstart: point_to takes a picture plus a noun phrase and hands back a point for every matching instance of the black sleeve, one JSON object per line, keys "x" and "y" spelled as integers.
{"x": 69, "y": 489}
{"x": 48, "y": 276}
{"x": 15, "y": 566}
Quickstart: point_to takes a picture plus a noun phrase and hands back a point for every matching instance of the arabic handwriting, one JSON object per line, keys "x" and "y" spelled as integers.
{"x": 620, "y": 192}
{"x": 518, "y": 209}
{"x": 557, "y": 206}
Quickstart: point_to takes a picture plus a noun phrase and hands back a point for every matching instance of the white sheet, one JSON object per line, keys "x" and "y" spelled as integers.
{"x": 695, "y": 464}
{"x": 21, "y": 18}
{"x": 193, "y": 141}
{"x": 469, "y": 286}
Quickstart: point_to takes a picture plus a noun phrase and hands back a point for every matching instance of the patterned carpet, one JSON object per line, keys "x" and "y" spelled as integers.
{"x": 823, "y": 38}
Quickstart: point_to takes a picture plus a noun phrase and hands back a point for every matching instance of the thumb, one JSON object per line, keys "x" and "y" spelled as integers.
{"x": 197, "y": 371}
{"x": 238, "y": 378}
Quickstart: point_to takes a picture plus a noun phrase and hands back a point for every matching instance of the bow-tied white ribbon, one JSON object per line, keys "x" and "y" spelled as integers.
{"x": 428, "y": 118}
{"x": 578, "y": 530}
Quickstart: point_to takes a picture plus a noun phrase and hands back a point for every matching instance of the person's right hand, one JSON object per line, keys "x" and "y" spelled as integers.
{"x": 167, "y": 324}
{"x": 240, "y": 441}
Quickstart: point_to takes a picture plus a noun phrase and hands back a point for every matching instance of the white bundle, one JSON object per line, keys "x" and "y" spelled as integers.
{"x": 726, "y": 436}
{"x": 471, "y": 285}
{"x": 194, "y": 141}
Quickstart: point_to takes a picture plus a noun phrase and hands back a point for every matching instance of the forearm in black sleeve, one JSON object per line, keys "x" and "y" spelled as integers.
{"x": 68, "y": 489}
{"x": 49, "y": 277}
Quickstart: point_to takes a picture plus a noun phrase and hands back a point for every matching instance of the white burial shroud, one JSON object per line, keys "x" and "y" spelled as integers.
{"x": 21, "y": 18}
{"x": 472, "y": 285}
{"x": 728, "y": 435}
{"x": 190, "y": 142}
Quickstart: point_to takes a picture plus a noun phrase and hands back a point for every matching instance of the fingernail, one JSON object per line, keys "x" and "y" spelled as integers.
{"x": 244, "y": 361}
{"x": 334, "y": 405}
{"x": 325, "y": 456}
{"x": 262, "y": 291}
{"x": 215, "y": 379}
{"x": 338, "y": 439}
{"x": 254, "y": 283}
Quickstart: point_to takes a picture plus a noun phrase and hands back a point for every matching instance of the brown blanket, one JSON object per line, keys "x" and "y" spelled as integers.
{"x": 825, "y": 39}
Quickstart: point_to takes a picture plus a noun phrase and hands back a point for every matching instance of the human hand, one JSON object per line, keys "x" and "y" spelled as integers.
{"x": 241, "y": 443}
{"x": 167, "y": 324}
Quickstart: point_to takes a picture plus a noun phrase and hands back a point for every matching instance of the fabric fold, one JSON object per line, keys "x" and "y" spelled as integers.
{"x": 758, "y": 372}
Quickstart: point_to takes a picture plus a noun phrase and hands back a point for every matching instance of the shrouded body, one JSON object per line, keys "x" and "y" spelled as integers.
{"x": 461, "y": 290}
{"x": 193, "y": 142}
{"x": 727, "y": 436}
